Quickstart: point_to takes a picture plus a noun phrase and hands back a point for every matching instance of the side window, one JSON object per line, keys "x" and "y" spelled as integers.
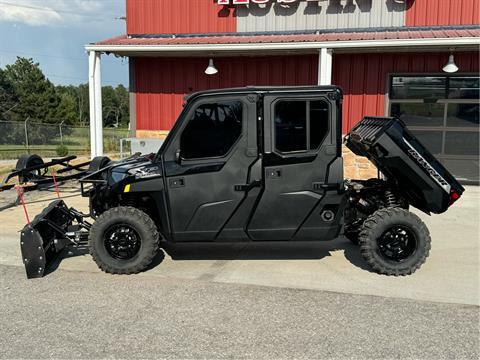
{"x": 319, "y": 122}
{"x": 212, "y": 130}
{"x": 291, "y": 126}
{"x": 300, "y": 125}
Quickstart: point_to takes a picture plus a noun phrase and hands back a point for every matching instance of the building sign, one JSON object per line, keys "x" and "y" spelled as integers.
{"x": 247, "y": 2}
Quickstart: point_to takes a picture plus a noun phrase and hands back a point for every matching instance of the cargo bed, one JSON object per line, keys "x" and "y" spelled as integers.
{"x": 405, "y": 162}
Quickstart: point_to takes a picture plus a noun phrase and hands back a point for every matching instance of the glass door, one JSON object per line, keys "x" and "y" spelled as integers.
{"x": 443, "y": 112}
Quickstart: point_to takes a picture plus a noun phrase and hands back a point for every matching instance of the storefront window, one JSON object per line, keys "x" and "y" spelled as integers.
{"x": 419, "y": 114}
{"x": 435, "y": 87}
{"x": 465, "y": 115}
{"x": 431, "y": 139}
{"x": 461, "y": 143}
{"x": 412, "y": 87}
{"x": 466, "y": 87}
{"x": 443, "y": 112}
{"x": 463, "y": 169}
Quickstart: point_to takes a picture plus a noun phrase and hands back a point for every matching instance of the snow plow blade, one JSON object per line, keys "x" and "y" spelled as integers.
{"x": 47, "y": 235}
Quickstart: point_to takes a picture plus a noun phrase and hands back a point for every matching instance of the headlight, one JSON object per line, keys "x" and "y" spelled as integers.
{"x": 118, "y": 176}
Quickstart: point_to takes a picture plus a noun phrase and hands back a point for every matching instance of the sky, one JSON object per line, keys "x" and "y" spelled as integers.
{"x": 54, "y": 32}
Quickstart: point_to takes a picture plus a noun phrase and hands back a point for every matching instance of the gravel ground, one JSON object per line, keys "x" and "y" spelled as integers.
{"x": 8, "y": 162}
{"x": 94, "y": 315}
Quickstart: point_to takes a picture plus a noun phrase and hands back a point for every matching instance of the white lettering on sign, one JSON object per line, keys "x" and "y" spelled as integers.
{"x": 247, "y": 2}
{"x": 429, "y": 168}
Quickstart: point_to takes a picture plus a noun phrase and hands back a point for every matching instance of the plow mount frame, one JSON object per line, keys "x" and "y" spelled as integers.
{"x": 54, "y": 229}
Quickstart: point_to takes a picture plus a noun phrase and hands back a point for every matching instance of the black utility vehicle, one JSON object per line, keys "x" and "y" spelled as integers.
{"x": 255, "y": 164}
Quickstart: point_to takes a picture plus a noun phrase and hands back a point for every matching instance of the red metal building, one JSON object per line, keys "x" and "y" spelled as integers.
{"x": 387, "y": 55}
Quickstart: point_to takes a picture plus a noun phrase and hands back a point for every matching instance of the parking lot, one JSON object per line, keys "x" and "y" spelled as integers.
{"x": 262, "y": 300}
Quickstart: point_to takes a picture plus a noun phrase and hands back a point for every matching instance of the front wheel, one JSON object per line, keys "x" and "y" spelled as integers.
{"x": 123, "y": 240}
{"x": 394, "y": 241}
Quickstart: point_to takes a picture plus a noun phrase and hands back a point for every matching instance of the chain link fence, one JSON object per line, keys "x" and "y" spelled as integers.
{"x": 17, "y": 138}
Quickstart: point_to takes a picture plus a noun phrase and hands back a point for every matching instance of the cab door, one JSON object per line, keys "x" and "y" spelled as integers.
{"x": 302, "y": 167}
{"x": 207, "y": 161}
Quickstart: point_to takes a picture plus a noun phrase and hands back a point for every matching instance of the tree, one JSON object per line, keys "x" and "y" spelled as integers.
{"x": 36, "y": 95}
{"x": 123, "y": 97}
{"x": 83, "y": 105}
{"x": 109, "y": 106}
{"x": 66, "y": 109}
{"x": 8, "y": 98}
{"x": 115, "y": 104}
{"x": 71, "y": 109}
{"x": 25, "y": 93}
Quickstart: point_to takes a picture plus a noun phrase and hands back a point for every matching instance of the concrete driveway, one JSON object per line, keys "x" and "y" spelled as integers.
{"x": 450, "y": 275}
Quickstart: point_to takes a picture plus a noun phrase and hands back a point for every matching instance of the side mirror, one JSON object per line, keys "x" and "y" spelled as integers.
{"x": 178, "y": 158}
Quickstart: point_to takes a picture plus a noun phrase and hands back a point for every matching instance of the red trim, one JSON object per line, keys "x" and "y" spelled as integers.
{"x": 442, "y": 12}
{"x": 404, "y": 34}
{"x": 178, "y": 16}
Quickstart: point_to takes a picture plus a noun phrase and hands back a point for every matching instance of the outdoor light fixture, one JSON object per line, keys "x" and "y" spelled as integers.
{"x": 211, "y": 69}
{"x": 450, "y": 67}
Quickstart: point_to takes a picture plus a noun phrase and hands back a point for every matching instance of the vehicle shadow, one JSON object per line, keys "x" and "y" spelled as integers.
{"x": 294, "y": 250}
{"x": 68, "y": 252}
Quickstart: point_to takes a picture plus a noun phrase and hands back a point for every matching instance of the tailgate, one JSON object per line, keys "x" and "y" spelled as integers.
{"x": 406, "y": 162}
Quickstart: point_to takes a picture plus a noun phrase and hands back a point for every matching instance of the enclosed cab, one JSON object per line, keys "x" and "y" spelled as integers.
{"x": 243, "y": 164}
{"x": 265, "y": 164}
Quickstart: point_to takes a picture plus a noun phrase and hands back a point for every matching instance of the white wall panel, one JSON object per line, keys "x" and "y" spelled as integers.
{"x": 326, "y": 14}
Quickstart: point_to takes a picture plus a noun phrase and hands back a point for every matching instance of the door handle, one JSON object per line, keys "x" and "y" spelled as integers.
{"x": 248, "y": 187}
{"x": 274, "y": 173}
{"x": 324, "y": 186}
{"x": 177, "y": 182}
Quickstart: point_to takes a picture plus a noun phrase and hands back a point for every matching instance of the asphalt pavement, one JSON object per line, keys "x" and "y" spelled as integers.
{"x": 249, "y": 301}
{"x": 94, "y": 315}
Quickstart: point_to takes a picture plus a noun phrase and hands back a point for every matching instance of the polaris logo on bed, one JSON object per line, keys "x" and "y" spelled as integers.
{"x": 426, "y": 165}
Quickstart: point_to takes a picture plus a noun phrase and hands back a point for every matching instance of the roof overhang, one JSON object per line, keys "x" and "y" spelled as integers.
{"x": 308, "y": 41}
{"x": 462, "y": 43}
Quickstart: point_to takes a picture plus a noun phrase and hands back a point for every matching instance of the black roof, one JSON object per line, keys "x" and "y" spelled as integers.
{"x": 266, "y": 90}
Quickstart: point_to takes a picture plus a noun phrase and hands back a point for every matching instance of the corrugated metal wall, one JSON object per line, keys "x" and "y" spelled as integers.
{"x": 363, "y": 77}
{"x": 161, "y": 83}
{"x": 177, "y": 16}
{"x": 322, "y": 15}
{"x": 197, "y": 16}
{"x": 442, "y": 12}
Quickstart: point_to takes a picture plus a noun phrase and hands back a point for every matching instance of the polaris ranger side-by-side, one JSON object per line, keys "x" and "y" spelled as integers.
{"x": 254, "y": 164}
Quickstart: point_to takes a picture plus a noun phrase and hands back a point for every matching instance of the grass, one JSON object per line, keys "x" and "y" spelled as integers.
{"x": 5, "y": 170}
{"x": 77, "y": 141}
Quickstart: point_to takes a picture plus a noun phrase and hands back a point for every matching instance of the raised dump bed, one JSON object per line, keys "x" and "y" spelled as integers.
{"x": 405, "y": 162}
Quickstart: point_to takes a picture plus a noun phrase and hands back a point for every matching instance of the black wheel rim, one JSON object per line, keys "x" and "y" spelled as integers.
{"x": 397, "y": 243}
{"x": 122, "y": 241}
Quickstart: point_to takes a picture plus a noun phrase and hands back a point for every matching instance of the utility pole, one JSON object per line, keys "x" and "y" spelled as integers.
{"x": 61, "y": 134}
{"x": 26, "y": 135}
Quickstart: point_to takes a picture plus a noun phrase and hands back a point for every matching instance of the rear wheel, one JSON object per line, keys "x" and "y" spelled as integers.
{"x": 123, "y": 240}
{"x": 393, "y": 241}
